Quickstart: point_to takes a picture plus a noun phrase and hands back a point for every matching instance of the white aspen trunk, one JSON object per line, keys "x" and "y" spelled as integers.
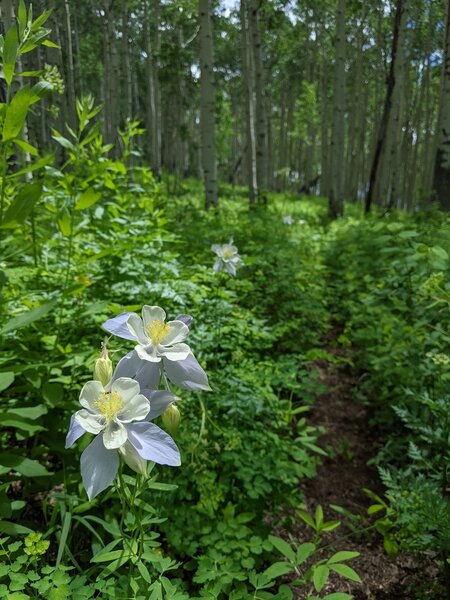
{"x": 153, "y": 115}
{"x": 260, "y": 100}
{"x": 336, "y": 200}
{"x": 441, "y": 180}
{"x": 324, "y": 133}
{"x": 70, "y": 67}
{"x": 389, "y": 172}
{"x": 248, "y": 72}
{"x": 208, "y": 104}
{"x": 127, "y": 65}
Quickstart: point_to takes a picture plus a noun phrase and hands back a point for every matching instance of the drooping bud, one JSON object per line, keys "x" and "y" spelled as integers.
{"x": 103, "y": 369}
{"x": 133, "y": 459}
{"x": 171, "y": 419}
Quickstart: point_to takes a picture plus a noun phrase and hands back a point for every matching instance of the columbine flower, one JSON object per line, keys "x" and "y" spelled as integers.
{"x": 116, "y": 415}
{"x": 157, "y": 338}
{"x": 186, "y": 373}
{"x": 301, "y": 222}
{"x": 288, "y": 220}
{"x": 228, "y": 258}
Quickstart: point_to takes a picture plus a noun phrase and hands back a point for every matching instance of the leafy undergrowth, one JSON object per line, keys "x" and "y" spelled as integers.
{"x": 106, "y": 238}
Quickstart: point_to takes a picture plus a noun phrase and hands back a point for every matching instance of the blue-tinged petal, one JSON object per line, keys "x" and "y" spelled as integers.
{"x": 187, "y": 374}
{"x": 186, "y": 319}
{"x": 148, "y": 375}
{"x": 127, "y": 366}
{"x": 218, "y": 265}
{"x": 74, "y": 433}
{"x": 159, "y": 402}
{"x": 98, "y": 467}
{"x": 118, "y": 326}
{"x": 152, "y": 443}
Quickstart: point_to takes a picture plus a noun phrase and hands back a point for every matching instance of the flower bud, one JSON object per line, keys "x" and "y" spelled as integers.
{"x": 133, "y": 459}
{"x": 103, "y": 369}
{"x": 171, "y": 419}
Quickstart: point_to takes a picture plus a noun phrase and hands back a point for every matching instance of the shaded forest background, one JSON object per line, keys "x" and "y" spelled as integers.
{"x": 330, "y": 97}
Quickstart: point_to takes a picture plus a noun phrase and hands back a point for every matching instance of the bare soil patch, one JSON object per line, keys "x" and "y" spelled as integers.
{"x": 340, "y": 481}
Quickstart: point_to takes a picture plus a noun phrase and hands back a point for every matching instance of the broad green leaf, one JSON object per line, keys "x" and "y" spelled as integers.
{"x": 22, "y": 17}
{"x": 39, "y": 164}
{"x": 347, "y": 572}
{"x": 341, "y": 556}
{"x": 25, "y": 146}
{"x": 319, "y": 516}
{"x": 23, "y": 204}
{"x": 338, "y": 596}
{"x": 18, "y": 422}
{"x": 64, "y": 142}
{"x": 278, "y": 569}
{"x": 283, "y": 547}
{"x": 50, "y": 44}
{"x": 10, "y": 53}
{"x": 40, "y": 89}
{"x": 88, "y": 198}
{"x": 65, "y": 223}
{"x": 6, "y": 379}
{"x": 40, "y": 20}
{"x": 13, "y": 528}
{"x": 29, "y": 412}
{"x": 25, "y": 466}
{"x": 304, "y": 551}
{"x": 320, "y": 577}
{"x": 16, "y": 113}
{"x": 28, "y": 317}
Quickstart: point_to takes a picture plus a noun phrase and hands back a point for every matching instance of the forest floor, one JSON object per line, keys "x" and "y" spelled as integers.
{"x": 351, "y": 443}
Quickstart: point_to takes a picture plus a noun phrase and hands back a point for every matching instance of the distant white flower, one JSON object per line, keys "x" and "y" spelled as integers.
{"x": 301, "y": 222}
{"x": 119, "y": 416}
{"x": 227, "y": 258}
{"x": 288, "y": 220}
{"x": 315, "y": 237}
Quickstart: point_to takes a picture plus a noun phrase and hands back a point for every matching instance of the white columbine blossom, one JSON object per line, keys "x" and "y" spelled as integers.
{"x": 155, "y": 337}
{"x": 119, "y": 417}
{"x": 288, "y": 220}
{"x": 227, "y": 258}
{"x": 180, "y": 367}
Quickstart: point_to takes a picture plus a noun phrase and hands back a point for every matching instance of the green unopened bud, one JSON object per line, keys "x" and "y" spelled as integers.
{"x": 133, "y": 459}
{"x": 171, "y": 419}
{"x": 103, "y": 369}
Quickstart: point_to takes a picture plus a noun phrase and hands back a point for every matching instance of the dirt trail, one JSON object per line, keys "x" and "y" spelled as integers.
{"x": 340, "y": 481}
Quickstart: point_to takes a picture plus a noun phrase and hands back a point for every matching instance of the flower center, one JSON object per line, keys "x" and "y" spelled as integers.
{"x": 110, "y": 404}
{"x": 228, "y": 253}
{"x": 157, "y": 331}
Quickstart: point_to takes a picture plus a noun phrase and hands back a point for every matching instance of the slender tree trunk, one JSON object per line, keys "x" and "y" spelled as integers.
{"x": 248, "y": 72}
{"x": 261, "y": 125}
{"x": 387, "y": 106}
{"x": 336, "y": 199}
{"x": 208, "y": 104}
{"x": 441, "y": 180}
{"x": 70, "y": 66}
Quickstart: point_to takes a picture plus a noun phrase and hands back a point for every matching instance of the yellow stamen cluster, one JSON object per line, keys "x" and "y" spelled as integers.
{"x": 157, "y": 331}
{"x": 110, "y": 404}
{"x": 228, "y": 253}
